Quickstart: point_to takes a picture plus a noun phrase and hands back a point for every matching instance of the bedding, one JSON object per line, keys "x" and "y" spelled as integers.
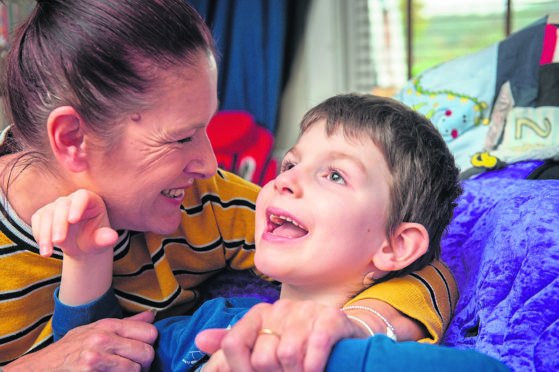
{"x": 503, "y": 248}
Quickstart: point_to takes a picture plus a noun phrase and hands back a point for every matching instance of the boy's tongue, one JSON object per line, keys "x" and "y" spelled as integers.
{"x": 289, "y": 230}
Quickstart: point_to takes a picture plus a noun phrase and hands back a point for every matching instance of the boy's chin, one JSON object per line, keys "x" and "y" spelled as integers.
{"x": 262, "y": 265}
{"x": 269, "y": 268}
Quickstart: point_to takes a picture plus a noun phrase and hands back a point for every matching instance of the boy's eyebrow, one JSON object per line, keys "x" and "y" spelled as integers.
{"x": 292, "y": 150}
{"x": 354, "y": 159}
{"x": 336, "y": 155}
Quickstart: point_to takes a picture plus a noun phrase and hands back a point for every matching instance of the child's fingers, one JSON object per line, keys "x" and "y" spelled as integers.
{"x": 52, "y": 224}
{"x": 41, "y": 224}
{"x": 60, "y": 219}
{"x": 105, "y": 236}
{"x": 81, "y": 201}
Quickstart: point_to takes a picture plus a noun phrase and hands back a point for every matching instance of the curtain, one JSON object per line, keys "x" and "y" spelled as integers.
{"x": 251, "y": 37}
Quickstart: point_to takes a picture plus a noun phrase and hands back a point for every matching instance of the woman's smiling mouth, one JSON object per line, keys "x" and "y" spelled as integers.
{"x": 173, "y": 193}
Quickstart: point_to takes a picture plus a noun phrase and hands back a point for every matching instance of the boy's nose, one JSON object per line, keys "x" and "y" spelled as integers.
{"x": 289, "y": 182}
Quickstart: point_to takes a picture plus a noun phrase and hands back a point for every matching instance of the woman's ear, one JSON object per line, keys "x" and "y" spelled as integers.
{"x": 409, "y": 242}
{"x": 66, "y": 136}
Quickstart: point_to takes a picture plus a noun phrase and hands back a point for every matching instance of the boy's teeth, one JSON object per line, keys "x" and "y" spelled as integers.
{"x": 286, "y": 227}
{"x": 278, "y": 220}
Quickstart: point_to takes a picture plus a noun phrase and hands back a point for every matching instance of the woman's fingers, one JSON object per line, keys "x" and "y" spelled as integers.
{"x": 209, "y": 340}
{"x": 239, "y": 342}
{"x": 217, "y": 363}
{"x": 130, "y": 339}
{"x": 289, "y": 336}
{"x": 106, "y": 345}
{"x": 265, "y": 354}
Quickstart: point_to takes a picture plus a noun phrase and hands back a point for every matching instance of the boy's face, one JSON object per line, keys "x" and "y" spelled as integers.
{"x": 320, "y": 221}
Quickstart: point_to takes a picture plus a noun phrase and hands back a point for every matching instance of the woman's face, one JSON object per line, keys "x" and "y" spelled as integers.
{"x": 143, "y": 178}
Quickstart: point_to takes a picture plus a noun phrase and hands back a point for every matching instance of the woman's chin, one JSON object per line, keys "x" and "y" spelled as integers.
{"x": 166, "y": 226}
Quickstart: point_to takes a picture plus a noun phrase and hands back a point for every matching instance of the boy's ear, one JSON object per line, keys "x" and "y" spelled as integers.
{"x": 409, "y": 242}
{"x": 66, "y": 136}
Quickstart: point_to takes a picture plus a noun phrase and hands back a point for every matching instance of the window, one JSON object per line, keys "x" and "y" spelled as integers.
{"x": 414, "y": 35}
{"x": 443, "y": 30}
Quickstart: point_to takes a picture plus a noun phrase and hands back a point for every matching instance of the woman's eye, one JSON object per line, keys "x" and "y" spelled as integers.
{"x": 185, "y": 140}
{"x": 336, "y": 177}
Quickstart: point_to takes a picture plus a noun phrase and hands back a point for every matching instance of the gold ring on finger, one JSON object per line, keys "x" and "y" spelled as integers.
{"x": 267, "y": 331}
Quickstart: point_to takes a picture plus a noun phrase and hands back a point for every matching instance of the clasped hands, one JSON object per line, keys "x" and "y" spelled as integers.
{"x": 284, "y": 336}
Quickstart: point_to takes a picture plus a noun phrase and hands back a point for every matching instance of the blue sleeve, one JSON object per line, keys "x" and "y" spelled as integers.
{"x": 175, "y": 349}
{"x": 381, "y": 354}
{"x": 66, "y": 317}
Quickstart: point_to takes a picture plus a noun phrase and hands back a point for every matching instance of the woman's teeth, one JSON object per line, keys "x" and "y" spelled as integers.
{"x": 173, "y": 193}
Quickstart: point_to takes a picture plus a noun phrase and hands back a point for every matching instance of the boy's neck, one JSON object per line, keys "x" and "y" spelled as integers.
{"x": 327, "y": 296}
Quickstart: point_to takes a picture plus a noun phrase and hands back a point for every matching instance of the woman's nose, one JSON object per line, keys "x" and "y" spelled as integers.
{"x": 204, "y": 164}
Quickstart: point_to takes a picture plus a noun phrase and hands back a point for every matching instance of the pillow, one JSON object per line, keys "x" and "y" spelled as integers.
{"x": 456, "y": 96}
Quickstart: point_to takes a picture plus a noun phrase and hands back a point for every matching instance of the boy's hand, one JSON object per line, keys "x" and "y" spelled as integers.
{"x": 78, "y": 223}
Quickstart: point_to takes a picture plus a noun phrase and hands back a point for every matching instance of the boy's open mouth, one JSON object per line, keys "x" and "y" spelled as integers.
{"x": 286, "y": 227}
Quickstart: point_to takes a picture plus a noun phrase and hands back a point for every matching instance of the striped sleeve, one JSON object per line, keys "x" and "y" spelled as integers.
{"x": 428, "y": 295}
{"x": 28, "y": 281}
{"x": 235, "y": 219}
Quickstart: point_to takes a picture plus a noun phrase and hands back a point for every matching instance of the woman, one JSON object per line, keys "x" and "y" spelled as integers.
{"x": 114, "y": 97}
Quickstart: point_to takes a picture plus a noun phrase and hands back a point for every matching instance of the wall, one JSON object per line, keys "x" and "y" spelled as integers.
{"x": 318, "y": 70}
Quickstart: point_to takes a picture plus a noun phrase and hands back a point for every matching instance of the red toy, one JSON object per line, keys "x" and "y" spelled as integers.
{"x": 243, "y": 147}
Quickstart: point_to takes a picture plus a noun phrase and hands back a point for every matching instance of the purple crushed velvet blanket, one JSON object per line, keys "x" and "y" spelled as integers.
{"x": 503, "y": 248}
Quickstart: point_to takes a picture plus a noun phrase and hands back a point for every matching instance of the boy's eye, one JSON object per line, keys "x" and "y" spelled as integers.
{"x": 335, "y": 177}
{"x": 287, "y": 165}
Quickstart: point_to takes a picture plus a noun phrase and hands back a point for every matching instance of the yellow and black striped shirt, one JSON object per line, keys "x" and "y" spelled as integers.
{"x": 161, "y": 272}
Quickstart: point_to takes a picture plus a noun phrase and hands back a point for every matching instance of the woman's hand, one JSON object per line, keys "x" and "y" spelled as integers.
{"x": 300, "y": 337}
{"x": 78, "y": 223}
{"x": 106, "y": 345}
